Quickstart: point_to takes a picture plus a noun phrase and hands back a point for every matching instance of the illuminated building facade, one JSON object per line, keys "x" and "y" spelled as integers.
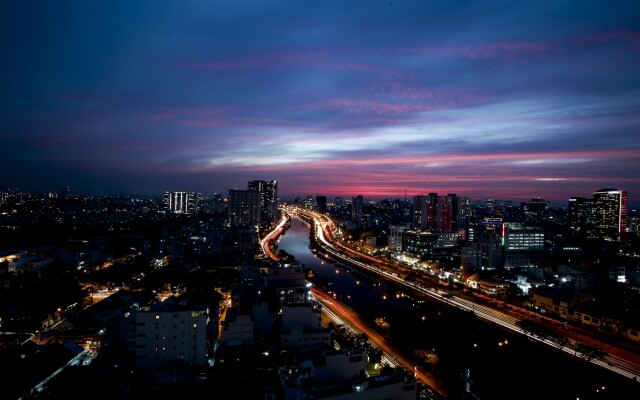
{"x": 611, "y": 213}
{"x": 181, "y": 202}
{"x": 484, "y": 250}
{"x": 396, "y": 232}
{"x": 523, "y": 246}
{"x": 440, "y": 213}
{"x": 581, "y": 216}
{"x": 605, "y": 216}
{"x": 268, "y": 198}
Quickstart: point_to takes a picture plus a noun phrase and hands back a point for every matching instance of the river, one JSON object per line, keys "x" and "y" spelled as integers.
{"x": 502, "y": 365}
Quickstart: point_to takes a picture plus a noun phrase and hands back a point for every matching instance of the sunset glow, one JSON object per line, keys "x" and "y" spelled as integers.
{"x": 334, "y": 98}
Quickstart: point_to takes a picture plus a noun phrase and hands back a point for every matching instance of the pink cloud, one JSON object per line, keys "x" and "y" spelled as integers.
{"x": 466, "y": 159}
{"x": 523, "y": 50}
{"x": 622, "y": 35}
{"x": 197, "y": 116}
{"x": 509, "y": 50}
{"x": 261, "y": 61}
{"x": 367, "y": 106}
{"x": 211, "y": 117}
{"x": 318, "y": 59}
{"x": 474, "y": 175}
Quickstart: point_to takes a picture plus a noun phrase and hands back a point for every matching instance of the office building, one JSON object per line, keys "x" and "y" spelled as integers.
{"x": 244, "y": 207}
{"x": 484, "y": 250}
{"x": 523, "y": 246}
{"x": 268, "y": 198}
{"x": 182, "y": 202}
{"x": 535, "y": 209}
{"x": 604, "y": 217}
{"x": 581, "y": 216}
{"x": 460, "y": 212}
{"x": 357, "y": 210}
{"x": 440, "y": 213}
{"x": 611, "y": 213}
{"x": 396, "y": 233}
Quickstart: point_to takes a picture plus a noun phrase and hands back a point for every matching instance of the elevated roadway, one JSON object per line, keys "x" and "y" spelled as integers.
{"x": 620, "y": 361}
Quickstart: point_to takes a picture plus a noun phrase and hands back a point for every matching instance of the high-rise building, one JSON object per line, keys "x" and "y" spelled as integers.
{"x": 460, "y": 212}
{"x": 396, "y": 232}
{"x": 485, "y": 246}
{"x": 535, "y": 209}
{"x": 440, "y": 213}
{"x": 268, "y": 198}
{"x": 485, "y": 254}
{"x": 605, "y": 216}
{"x": 424, "y": 211}
{"x": 182, "y": 202}
{"x": 523, "y": 246}
{"x": 321, "y": 201}
{"x": 581, "y": 216}
{"x": 611, "y": 212}
{"x": 171, "y": 333}
{"x": 244, "y": 207}
{"x": 357, "y": 209}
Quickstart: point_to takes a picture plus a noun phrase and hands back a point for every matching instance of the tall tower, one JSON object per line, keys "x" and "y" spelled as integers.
{"x": 424, "y": 211}
{"x": 321, "y": 201}
{"x": 357, "y": 208}
{"x": 438, "y": 213}
{"x": 244, "y": 207}
{"x": 581, "y": 216}
{"x": 271, "y": 200}
{"x": 611, "y": 212}
{"x": 268, "y": 198}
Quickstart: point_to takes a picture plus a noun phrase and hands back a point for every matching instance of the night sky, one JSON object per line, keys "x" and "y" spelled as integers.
{"x": 502, "y": 99}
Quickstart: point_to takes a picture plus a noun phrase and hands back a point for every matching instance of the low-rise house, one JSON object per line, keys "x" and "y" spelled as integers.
{"x": 551, "y": 300}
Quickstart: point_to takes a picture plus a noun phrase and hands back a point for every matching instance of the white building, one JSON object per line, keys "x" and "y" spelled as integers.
{"x": 523, "y": 246}
{"x": 395, "y": 237}
{"x": 182, "y": 202}
{"x": 171, "y": 332}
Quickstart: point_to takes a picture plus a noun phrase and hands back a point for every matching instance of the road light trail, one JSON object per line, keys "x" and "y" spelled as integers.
{"x": 345, "y": 316}
{"x": 391, "y": 353}
{"x": 324, "y": 237}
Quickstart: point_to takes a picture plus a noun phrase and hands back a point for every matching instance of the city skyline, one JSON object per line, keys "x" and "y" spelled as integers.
{"x": 377, "y": 98}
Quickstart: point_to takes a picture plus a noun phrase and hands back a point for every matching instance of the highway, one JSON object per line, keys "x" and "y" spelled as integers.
{"x": 272, "y": 235}
{"x": 612, "y": 358}
{"x": 342, "y": 314}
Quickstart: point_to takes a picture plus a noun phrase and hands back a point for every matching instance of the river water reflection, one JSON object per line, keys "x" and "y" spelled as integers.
{"x": 502, "y": 365}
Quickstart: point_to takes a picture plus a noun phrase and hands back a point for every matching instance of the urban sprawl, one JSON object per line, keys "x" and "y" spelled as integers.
{"x": 138, "y": 297}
